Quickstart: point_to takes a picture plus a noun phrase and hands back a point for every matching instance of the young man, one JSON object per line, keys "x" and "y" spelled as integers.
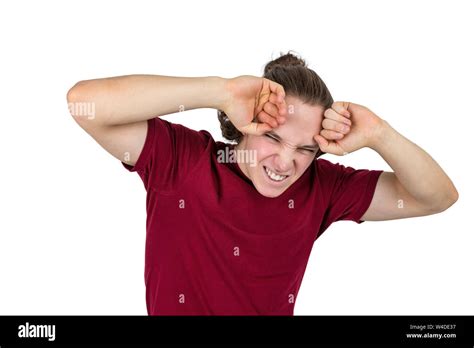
{"x": 227, "y": 237}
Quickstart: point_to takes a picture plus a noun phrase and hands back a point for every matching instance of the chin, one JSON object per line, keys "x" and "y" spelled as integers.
{"x": 265, "y": 186}
{"x": 269, "y": 193}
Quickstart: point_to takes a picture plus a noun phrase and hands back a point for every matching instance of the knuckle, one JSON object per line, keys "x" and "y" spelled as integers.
{"x": 330, "y": 125}
{"x": 266, "y": 107}
{"x": 269, "y": 107}
{"x": 262, "y": 116}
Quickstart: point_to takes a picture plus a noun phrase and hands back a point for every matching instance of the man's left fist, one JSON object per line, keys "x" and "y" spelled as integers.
{"x": 348, "y": 127}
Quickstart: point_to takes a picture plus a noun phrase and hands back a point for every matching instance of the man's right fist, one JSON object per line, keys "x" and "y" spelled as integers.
{"x": 254, "y": 105}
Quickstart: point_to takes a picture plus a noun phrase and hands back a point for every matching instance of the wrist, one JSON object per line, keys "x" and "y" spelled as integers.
{"x": 216, "y": 91}
{"x": 380, "y": 135}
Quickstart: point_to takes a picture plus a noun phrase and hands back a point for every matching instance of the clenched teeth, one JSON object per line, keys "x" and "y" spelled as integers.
{"x": 275, "y": 176}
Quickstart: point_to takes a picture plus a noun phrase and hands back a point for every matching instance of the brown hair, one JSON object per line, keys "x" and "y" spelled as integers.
{"x": 298, "y": 81}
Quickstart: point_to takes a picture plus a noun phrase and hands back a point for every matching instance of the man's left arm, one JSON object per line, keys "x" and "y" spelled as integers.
{"x": 417, "y": 186}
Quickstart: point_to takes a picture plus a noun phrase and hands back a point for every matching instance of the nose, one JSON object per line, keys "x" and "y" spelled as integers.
{"x": 284, "y": 160}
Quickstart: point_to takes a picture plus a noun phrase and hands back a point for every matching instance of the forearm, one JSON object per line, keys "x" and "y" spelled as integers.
{"x": 415, "y": 169}
{"x": 134, "y": 98}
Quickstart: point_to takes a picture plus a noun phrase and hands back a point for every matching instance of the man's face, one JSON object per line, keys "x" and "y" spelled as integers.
{"x": 286, "y": 163}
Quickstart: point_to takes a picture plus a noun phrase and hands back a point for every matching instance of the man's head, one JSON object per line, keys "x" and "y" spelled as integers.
{"x": 284, "y": 154}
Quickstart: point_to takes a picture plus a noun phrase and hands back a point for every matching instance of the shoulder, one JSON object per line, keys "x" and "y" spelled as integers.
{"x": 326, "y": 169}
{"x": 178, "y": 129}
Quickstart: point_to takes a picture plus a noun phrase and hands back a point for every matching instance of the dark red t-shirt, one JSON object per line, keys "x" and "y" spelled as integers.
{"x": 214, "y": 244}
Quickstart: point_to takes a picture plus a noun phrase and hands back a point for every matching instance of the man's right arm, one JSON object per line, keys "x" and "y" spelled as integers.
{"x": 122, "y": 105}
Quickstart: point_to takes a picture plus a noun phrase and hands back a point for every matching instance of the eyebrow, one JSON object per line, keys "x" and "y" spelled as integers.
{"x": 312, "y": 146}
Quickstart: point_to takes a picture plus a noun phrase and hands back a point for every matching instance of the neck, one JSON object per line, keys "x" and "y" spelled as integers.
{"x": 242, "y": 167}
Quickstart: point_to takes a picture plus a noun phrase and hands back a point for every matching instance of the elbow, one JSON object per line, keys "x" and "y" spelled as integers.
{"x": 452, "y": 197}
{"x": 455, "y": 196}
{"x": 448, "y": 201}
{"x": 73, "y": 95}
{"x": 79, "y": 104}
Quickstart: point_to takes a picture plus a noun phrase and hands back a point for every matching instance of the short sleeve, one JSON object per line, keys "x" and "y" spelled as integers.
{"x": 169, "y": 154}
{"x": 349, "y": 192}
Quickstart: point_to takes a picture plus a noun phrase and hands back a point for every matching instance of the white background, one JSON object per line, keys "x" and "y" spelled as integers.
{"x": 72, "y": 226}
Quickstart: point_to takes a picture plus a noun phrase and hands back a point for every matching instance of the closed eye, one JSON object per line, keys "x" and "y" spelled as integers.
{"x": 271, "y": 137}
{"x": 307, "y": 151}
{"x": 303, "y": 150}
